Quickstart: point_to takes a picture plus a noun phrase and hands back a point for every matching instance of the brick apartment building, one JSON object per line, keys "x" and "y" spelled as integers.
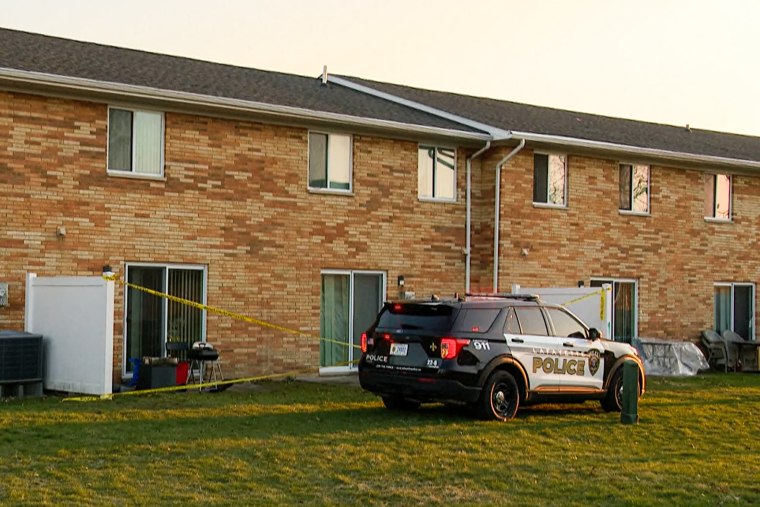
{"x": 304, "y": 202}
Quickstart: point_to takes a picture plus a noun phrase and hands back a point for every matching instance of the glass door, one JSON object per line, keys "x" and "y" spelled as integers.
{"x": 151, "y": 321}
{"x": 350, "y": 301}
{"x": 624, "y": 302}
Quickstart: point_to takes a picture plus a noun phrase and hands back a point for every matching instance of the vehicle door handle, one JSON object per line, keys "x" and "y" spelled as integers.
{"x": 568, "y": 344}
{"x": 518, "y": 340}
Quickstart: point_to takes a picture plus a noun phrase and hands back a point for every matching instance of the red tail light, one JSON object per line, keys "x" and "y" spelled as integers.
{"x": 364, "y": 342}
{"x": 450, "y": 347}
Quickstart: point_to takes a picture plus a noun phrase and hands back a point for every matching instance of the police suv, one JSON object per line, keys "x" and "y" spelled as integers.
{"x": 493, "y": 353}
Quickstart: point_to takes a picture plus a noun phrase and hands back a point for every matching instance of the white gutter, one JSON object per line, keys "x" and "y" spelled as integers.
{"x": 497, "y": 207}
{"x": 635, "y": 150}
{"x": 468, "y": 219}
{"x": 495, "y": 132}
{"x": 247, "y": 106}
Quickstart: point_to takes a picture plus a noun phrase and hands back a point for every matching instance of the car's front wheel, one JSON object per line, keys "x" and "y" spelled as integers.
{"x": 613, "y": 401}
{"x": 500, "y": 398}
{"x": 399, "y": 403}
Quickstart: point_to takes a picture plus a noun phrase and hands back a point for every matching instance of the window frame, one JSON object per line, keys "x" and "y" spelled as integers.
{"x": 713, "y": 218}
{"x": 631, "y": 211}
{"x": 732, "y": 286}
{"x": 566, "y": 193}
{"x": 164, "y": 304}
{"x": 327, "y": 189}
{"x": 433, "y": 198}
{"x": 131, "y": 173}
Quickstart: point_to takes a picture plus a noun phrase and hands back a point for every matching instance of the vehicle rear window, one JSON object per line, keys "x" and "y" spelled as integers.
{"x": 476, "y": 320}
{"x": 417, "y": 316}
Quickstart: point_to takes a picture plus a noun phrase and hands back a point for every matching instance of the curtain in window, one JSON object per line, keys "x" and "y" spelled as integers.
{"x": 317, "y": 160}
{"x": 625, "y": 310}
{"x": 722, "y": 308}
{"x": 119, "y": 140}
{"x": 334, "y": 320}
{"x": 339, "y": 161}
{"x": 185, "y": 323}
{"x": 444, "y": 173}
{"x": 425, "y": 161}
{"x": 625, "y": 186}
{"x": 148, "y": 141}
{"x": 722, "y": 196}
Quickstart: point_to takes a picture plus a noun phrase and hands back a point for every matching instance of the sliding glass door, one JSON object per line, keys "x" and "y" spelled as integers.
{"x": 350, "y": 301}
{"x": 735, "y": 308}
{"x": 151, "y": 321}
{"x": 624, "y": 307}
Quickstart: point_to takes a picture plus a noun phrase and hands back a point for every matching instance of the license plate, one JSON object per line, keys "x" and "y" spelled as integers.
{"x": 399, "y": 349}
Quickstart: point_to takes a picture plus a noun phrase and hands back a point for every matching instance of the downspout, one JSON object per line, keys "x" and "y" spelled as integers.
{"x": 468, "y": 220}
{"x": 497, "y": 207}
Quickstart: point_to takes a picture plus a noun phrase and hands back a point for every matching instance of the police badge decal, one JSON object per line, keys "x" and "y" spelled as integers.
{"x": 594, "y": 359}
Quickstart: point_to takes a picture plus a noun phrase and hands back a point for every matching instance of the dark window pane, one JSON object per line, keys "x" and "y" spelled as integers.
{"x": 625, "y": 186}
{"x": 119, "y": 140}
{"x": 477, "y": 320}
{"x": 540, "y": 174}
{"x": 416, "y": 317}
{"x": 531, "y": 321}
{"x": 317, "y": 160}
{"x": 743, "y": 296}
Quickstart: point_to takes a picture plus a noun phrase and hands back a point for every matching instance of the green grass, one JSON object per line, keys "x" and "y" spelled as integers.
{"x": 698, "y": 443}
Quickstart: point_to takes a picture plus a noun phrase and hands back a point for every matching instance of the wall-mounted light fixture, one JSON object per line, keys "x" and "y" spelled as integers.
{"x": 107, "y": 271}
{"x": 60, "y": 231}
{"x": 581, "y": 283}
{"x": 400, "y": 280}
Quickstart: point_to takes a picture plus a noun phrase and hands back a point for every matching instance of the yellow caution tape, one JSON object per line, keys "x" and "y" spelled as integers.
{"x": 581, "y": 298}
{"x": 227, "y": 313}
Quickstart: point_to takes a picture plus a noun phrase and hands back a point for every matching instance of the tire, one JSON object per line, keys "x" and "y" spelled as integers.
{"x": 399, "y": 403}
{"x": 613, "y": 400}
{"x": 500, "y": 398}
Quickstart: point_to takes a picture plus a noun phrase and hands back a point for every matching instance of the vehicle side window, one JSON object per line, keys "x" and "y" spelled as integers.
{"x": 531, "y": 321}
{"x": 512, "y": 326}
{"x": 565, "y": 324}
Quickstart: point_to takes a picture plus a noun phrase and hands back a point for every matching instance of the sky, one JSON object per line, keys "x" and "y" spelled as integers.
{"x": 667, "y": 61}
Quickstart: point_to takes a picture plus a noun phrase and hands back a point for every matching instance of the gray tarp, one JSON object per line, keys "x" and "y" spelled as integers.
{"x": 670, "y": 358}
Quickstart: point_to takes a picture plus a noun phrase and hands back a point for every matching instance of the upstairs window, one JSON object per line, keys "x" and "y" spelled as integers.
{"x": 135, "y": 142}
{"x": 329, "y": 161}
{"x": 634, "y": 188}
{"x": 550, "y": 179}
{"x": 436, "y": 177}
{"x": 718, "y": 197}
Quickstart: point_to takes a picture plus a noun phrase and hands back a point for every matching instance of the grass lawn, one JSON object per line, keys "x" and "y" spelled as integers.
{"x": 698, "y": 443}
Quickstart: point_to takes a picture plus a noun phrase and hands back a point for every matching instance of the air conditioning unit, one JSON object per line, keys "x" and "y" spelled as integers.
{"x": 20, "y": 357}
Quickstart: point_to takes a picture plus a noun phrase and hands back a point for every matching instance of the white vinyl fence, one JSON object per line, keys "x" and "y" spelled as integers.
{"x": 75, "y": 317}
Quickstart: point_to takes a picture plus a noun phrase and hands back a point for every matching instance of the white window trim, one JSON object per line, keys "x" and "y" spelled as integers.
{"x": 635, "y": 283}
{"x": 131, "y": 173}
{"x": 754, "y": 296}
{"x": 350, "y": 273}
{"x": 565, "y": 190}
{"x": 450, "y": 200}
{"x": 730, "y": 218}
{"x": 649, "y": 191}
{"x": 333, "y": 191}
{"x": 165, "y": 309}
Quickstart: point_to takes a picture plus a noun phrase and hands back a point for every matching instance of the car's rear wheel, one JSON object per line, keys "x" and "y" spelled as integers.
{"x": 500, "y": 398}
{"x": 399, "y": 403}
{"x": 613, "y": 401}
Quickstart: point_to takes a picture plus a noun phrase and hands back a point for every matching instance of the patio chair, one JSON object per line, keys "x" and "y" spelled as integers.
{"x": 744, "y": 351}
{"x": 717, "y": 349}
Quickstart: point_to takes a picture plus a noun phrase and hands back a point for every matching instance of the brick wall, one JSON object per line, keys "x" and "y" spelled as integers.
{"x": 234, "y": 199}
{"x": 675, "y": 254}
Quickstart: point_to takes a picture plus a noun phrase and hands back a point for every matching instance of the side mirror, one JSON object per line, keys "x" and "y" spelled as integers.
{"x": 593, "y": 333}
